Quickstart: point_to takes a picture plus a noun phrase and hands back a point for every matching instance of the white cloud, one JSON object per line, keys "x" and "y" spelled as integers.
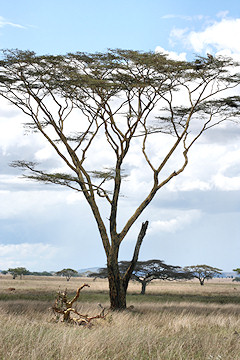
{"x": 219, "y": 36}
{"x": 226, "y": 183}
{"x": 25, "y": 254}
{"x": 13, "y": 135}
{"x": 222, "y": 14}
{"x": 4, "y": 22}
{"x": 45, "y": 153}
{"x": 31, "y": 203}
{"x": 190, "y": 185}
{"x": 171, "y": 54}
{"x": 227, "y": 176}
{"x": 74, "y": 197}
{"x": 175, "y": 224}
{"x": 183, "y": 17}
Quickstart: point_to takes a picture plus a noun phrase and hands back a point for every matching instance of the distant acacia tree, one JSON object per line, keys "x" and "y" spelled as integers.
{"x": 146, "y": 271}
{"x": 68, "y": 273}
{"x": 237, "y": 270}
{"x": 237, "y": 278}
{"x": 203, "y": 272}
{"x": 121, "y": 100}
{"x": 18, "y": 271}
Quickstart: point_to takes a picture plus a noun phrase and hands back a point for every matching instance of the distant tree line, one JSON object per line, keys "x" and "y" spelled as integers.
{"x": 20, "y": 271}
{"x": 147, "y": 271}
{"x": 144, "y": 272}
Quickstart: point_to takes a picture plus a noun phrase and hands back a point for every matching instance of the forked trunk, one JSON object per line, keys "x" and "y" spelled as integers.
{"x": 117, "y": 290}
{"x": 118, "y": 284}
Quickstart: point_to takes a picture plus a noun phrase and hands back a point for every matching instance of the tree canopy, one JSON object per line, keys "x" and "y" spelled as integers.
{"x": 68, "y": 273}
{"x": 237, "y": 270}
{"x": 18, "y": 271}
{"x": 117, "y": 101}
{"x": 203, "y": 272}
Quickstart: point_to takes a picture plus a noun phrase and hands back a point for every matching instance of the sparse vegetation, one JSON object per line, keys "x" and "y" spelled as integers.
{"x": 174, "y": 320}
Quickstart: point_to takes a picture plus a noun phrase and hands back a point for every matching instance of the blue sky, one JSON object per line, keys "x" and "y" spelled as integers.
{"x": 194, "y": 220}
{"x": 58, "y": 27}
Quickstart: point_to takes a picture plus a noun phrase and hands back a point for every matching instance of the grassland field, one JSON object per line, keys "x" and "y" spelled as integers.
{"x": 173, "y": 320}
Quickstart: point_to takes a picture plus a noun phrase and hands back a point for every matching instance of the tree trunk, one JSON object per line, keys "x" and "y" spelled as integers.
{"x": 118, "y": 284}
{"x": 117, "y": 290}
{"x": 132, "y": 265}
{"x": 144, "y": 284}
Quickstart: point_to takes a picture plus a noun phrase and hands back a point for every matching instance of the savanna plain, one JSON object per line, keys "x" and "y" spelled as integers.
{"x": 173, "y": 320}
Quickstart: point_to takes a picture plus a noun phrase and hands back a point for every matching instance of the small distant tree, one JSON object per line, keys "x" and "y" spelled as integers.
{"x": 203, "y": 272}
{"x": 68, "y": 273}
{"x": 19, "y": 271}
{"x": 237, "y": 270}
{"x": 237, "y": 278}
{"x": 146, "y": 271}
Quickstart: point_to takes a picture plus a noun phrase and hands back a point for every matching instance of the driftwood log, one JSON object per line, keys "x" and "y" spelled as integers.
{"x": 64, "y": 307}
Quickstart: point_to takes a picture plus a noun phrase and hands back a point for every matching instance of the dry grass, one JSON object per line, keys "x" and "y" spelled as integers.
{"x": 51, "y": 284}
{"x": 171, "y": 330}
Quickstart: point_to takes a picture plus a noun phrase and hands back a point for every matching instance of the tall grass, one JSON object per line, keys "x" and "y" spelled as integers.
{"x": 176, "y": 330}
{"x": 149, "y": 331}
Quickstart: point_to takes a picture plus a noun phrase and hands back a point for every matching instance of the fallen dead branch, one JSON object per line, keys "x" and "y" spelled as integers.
{"x": 64, "y": 307}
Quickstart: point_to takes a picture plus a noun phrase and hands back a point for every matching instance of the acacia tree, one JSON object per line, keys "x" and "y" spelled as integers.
{"x": 125, "y": 99}
{"x": 147, "y": 271}
{"x": 237, "y": 278}
{"x": 19, "y": 271}
{"x": 68, "y": 273}
{"x": 237, "y": 270}
{"x": 203, "y": 272}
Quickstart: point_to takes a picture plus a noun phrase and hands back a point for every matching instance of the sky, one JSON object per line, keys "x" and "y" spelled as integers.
{"x": 193, "y": 220}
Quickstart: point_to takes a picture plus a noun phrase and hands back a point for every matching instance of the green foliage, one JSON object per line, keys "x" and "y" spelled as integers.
{"x": 203, "y": 272}
{"x": 19, "y": 271}
{"x": 68, "y": 273}
{"x": 237, "y": 270}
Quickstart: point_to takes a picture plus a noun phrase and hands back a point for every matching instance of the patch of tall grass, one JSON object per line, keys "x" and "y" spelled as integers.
{"x": 159, "y": 331}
